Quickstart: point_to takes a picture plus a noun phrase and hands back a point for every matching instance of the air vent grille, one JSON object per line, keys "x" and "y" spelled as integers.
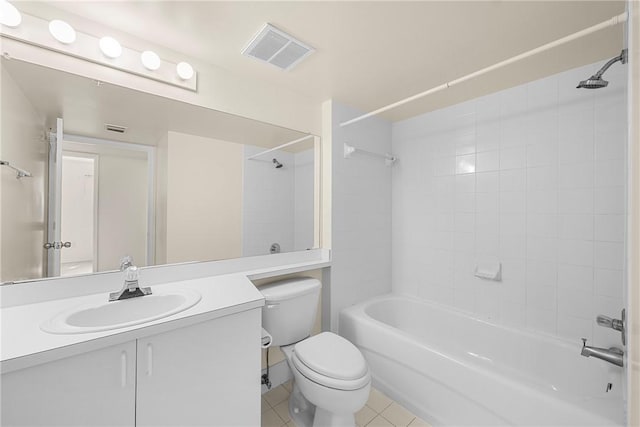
{"x": 277, "y": 48}
{"x": 115, "y": 128}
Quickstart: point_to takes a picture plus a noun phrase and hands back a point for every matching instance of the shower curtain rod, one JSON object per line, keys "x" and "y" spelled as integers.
{"x": 20, "y": 173}
{"x": 286, "y": 144}
{"x": 605, "y": 24}
{"x": 389, "y": 159}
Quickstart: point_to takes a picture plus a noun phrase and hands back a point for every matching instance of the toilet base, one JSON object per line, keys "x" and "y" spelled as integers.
{"x": 325, "y": 418}
{"x": 301, "y": 410}
{"x": 306, "y": 414}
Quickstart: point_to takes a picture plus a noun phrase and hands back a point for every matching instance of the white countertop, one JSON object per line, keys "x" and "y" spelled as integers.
{"x": 24, "y": 344}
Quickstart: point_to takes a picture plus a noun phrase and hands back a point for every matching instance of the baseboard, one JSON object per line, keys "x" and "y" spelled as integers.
{"x": 278, "y": 374}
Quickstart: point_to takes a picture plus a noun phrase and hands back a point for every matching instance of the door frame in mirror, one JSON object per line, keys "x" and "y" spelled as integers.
{"x": 150, "y": 152}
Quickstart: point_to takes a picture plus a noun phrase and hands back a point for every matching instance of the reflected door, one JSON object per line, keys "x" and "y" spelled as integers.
{"x": 79, "y": 213}
{"x": 54, "y": 244}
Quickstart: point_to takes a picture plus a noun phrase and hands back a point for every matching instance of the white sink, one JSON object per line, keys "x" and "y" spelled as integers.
{"x": 105, "y": 315}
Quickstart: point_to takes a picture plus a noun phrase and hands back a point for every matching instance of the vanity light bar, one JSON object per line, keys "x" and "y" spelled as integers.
{"x": 59, "y": 36}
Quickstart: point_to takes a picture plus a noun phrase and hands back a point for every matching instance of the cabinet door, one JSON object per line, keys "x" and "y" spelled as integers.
{"x": 205, "y": 374}
{"x": 90, "y": 389}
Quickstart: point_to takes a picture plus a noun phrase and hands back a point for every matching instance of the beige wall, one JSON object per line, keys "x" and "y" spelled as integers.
{"x": 162, "y": 148}
{"x": 22, "y": 201}
{"x": 203, "y": 199}
{"x": 122, "y": 210}
{"x": 633, "y": 358}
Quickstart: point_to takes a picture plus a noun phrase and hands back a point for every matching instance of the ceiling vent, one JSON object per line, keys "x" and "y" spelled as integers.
{"x": 115, "y": 128}
{"x": 277, "y": 48}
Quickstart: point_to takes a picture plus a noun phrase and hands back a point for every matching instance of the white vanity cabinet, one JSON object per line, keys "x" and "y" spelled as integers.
{"x": 97, "y": 388}
{"x": 206, "y": 373}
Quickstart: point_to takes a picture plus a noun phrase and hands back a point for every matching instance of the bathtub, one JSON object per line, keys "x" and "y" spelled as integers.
{"x": 452, "y": 369}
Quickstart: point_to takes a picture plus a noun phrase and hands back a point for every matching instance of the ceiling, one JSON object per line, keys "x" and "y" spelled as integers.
{"x": 368, "y": 54}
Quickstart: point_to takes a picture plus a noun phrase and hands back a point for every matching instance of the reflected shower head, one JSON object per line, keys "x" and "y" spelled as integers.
{"x": 277, "y": 163}
{"x": 596, "y": 81}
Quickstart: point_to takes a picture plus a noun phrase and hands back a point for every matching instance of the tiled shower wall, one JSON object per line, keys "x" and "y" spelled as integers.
{"x": 532, "y": 177}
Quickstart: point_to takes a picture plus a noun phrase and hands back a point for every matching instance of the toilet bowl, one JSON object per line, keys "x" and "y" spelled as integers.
{"x": 331, "y": 377}
{"x": 331, "y": 374}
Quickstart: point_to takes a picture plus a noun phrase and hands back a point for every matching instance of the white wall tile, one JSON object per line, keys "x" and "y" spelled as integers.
{"x": 541, "y": 297}
{"x": 609, "y": 200}
{"x": 542, "y": 248}
{"x": 610, "y": 144}
{"x": 610, "y": 173}
{"x": 577, "y": 227}
{"x": 542, "y": 153}
{"x": 512, "y": 245}
{"x": 488, "y": 161}
{"x": 542, "y": 202}
{"x": 514, "y": 224}
{"x": 464, "y": 222}
{"x": 465, "y": 202}
{"x": 576, "y": 252}
{"x": 487, "y": 182}
{"x": 576, "y": 201}
{"x": 512, "y": 202}
{"x": 609, "y": 282}
{"x": 530, "y": 180}
{"x": 542, "y": 225}
{"x": 466, "y": 183}
{"x": 609, "y": 255}
{"x": 466, "y": 164}
{"x": 513, "y": 157}
{"x": 444, "y": 166}
{"x": 542, "y": 273}
{"x": 541, "y": 320}
{"x": 574, "y": 302}
{"x": 488, "y": 135}
{"x": 542, "y": 178}
{"x": 575, "y": 175}
{"x": 513, "y": 180}
{"x": 575, "y": 276}
{"x": 574, "y": 328}
{"x": 609, "y": 228}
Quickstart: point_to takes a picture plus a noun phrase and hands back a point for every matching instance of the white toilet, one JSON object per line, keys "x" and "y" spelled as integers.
{"x": 331, "y": 377}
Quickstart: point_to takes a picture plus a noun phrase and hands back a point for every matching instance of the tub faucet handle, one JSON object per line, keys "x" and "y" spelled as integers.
{"x": 616, "y": 324}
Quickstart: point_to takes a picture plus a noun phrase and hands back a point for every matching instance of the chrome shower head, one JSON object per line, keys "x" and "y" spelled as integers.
{"x": 592, "y": 82}
{"x": 596, "y": 81}
{"x": 277, "y": 163}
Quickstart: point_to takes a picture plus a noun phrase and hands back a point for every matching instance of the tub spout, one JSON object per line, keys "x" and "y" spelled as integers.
{"x": 612, "y": 355}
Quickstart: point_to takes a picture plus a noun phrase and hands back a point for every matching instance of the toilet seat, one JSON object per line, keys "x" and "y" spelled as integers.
{"x": 332, "y": 361}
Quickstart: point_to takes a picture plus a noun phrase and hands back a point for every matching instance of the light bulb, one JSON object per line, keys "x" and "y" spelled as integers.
{"x": 62, "y": 31}
{"x": 9, "y": 15}
{"x": 184, "y": 70}
{"x": 150, "y": 60}
{"x": 110, "y": 47}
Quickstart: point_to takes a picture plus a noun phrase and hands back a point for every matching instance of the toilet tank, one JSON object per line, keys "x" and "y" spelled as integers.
{"x": 290, "y": 309}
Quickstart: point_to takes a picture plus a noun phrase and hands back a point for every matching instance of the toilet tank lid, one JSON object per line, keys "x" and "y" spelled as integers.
{"x": 289, "y": 288}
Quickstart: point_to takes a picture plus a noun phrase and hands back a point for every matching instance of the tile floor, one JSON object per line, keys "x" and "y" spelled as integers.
{"x": 380, "y": 411}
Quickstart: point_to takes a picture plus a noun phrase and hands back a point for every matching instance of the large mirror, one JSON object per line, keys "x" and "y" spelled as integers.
{"x": 117, "y": 172}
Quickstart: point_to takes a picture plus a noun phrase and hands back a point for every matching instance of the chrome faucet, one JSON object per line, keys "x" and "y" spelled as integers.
{"x": 612, "y": 355}
{"x": 126, "y": 262}
{"x": 130, "y": 288}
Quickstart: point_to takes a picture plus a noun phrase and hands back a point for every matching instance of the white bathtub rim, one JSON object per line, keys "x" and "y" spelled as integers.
{"x": 542, "y": 387}
{"x": 551, "y": 339}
